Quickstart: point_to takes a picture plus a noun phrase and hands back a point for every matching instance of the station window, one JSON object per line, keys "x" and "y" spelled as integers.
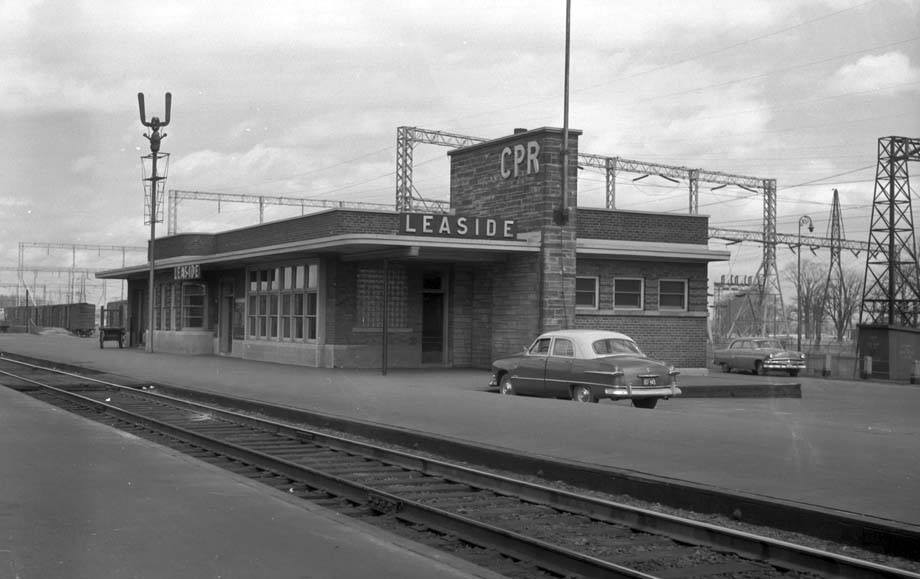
{"x": 586, "y": 292}
{"x": 193, "y": 304}
{"x": 158, "y": 307}
{"x": 179, "y": 305}
{"x": 628, "y": 293}
{"x": 672, "y": 294}
{"x": 163, "y": 307}
{"x": 283, "y": 303}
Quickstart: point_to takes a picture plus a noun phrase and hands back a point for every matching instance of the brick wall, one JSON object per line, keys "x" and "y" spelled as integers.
{"x": 460, "y": 317}
{"x": 639, "y": 226}
{"x": 515, "y": 303}
{"x": 478, "y": 188}
{"x": 315, "y": 226}
{"x": 677, "y": 340}
{"x": 558, "y": 281}
{"x": 696, "y": 275}
{"x": 184, "y": 244}
{"x": 678, "y": 337}
{"x": 535, "y": 293}
{"x": 481, "y": 353}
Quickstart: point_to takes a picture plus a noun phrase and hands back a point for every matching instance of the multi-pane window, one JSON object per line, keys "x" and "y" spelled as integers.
{"x": 193, "y": 304}
{"x": 586, "y": 292}
{"x": 175, "y": 295}
{"x": 627, "y": 293}
{"x": 282, "y": 302}
{"x": 178, "y": 305}
{"x": 158, "y": 307}
{"x": 672, "y": 294}
{"x": 163, "y": 306}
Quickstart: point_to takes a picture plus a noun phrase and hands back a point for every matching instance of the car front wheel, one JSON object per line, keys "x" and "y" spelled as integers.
{"x": 506, "y": 387}
{"x": 583, "y": 394}
{"x": 645, "y": 402}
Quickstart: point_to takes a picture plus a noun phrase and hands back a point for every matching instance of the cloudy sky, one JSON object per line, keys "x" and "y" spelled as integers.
{"x": 303, "y": 99}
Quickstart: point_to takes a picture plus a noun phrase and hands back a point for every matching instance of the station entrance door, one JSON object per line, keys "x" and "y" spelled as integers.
{"x": 434, "y": 316}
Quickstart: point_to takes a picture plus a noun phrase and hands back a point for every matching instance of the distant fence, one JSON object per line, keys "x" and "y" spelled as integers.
{"x": 831, "y": 365}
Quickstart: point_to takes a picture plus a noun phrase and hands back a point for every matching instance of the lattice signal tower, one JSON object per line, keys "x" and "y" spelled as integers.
{"x": 835, "y": 234}
{"x": 891, "y": 292}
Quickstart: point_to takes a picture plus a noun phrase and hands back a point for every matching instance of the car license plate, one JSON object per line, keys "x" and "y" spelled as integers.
{"x": 653, "y": 381}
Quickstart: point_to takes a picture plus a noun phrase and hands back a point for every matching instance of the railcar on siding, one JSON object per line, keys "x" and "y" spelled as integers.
{"x": 78, "y": 318}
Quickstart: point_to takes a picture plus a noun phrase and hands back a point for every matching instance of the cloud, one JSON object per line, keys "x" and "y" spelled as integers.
{"x": 875, "y": 72}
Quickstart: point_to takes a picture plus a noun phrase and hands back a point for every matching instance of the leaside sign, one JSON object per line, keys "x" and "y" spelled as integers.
{"x": 192, "y": 271}
{"x": 442, "y": 225}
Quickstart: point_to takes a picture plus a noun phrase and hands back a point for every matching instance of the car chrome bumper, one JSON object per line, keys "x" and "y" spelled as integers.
{"x": 784, "y": 365}
{"x": 629, "y": 392}
{"x": 493, "y": 381}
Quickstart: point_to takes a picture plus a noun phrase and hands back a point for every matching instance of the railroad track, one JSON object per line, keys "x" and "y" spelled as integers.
{"x": 513, "y": 527}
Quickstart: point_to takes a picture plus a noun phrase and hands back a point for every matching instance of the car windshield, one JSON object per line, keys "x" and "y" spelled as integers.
{"x": 611, "y": 346}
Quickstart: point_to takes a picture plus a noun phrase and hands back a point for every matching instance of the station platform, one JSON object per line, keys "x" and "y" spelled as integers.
{"x": 848, "y": 446}
{"x": 80, "y": 500}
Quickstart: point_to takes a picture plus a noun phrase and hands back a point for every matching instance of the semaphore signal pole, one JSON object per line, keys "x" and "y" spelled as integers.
{"x": 154, "y": 137}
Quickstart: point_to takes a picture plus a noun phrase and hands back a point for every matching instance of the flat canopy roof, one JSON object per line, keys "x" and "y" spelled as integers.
{"x": 351, "y": 247}
{"x": 359, "y": 247}
{"x": 644, "y": 250}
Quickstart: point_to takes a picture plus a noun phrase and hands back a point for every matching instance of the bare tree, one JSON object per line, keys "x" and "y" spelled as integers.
{"x": 843, "y": 301}
{"x": 810, "y": 293}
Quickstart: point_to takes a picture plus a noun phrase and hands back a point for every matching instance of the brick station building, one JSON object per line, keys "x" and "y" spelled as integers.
{"x": 367, "y": 289}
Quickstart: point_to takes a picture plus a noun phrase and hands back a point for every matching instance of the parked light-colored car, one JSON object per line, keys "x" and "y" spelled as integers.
{"x": 759, "y": 355}
{"x": 585, "y": 366}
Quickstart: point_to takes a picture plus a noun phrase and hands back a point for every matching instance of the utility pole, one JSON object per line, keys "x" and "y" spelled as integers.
{"x": 154, "y": 137}
{"x": 563, "y": 215}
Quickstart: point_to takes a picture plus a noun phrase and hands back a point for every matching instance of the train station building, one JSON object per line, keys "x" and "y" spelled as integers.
{"x": 368, "y": 289}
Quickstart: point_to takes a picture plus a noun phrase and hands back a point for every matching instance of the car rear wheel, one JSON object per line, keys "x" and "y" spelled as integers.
{"x": 506, "y": 387}
{"x": 645, "y": 402}
{"x": 583, "y": 394}
{"x": 726, "y": 368}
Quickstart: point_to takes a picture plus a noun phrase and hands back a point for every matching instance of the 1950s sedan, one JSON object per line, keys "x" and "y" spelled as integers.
{"x": 759, "y": 355}
{"x": 585, "y": 366}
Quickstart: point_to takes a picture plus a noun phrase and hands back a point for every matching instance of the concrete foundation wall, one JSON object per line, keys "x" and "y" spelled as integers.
{"x": 184, "y": 342}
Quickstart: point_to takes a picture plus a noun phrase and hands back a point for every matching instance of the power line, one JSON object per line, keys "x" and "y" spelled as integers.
{"x": 665, "y": 66}
{"x": 813, "y": 181}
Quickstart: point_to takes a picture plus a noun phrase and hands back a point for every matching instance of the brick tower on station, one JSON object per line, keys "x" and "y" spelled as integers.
{"x": 520, "y": 177}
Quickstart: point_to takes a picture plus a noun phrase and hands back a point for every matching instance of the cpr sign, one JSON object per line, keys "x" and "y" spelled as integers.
{"x": 520, "y": 160}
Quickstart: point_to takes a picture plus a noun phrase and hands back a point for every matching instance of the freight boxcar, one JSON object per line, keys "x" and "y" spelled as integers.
{"x": 79, "y": 318}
